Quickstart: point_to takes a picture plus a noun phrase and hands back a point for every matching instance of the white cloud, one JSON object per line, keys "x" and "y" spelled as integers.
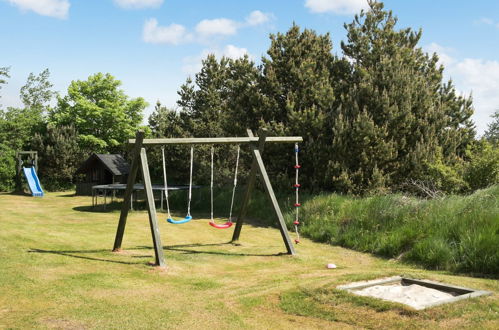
{"x": 482, "y": 78}
{"x": 471, "y": 75}
{"x": 138, "y": 4}
{"x": 193, "y": 64}
{"x": 488, "y": 21}
{"x": 52, "y": 8}
{"x": 342, "y": 7}
{"x": 204, "y": 31}
{"x": 172, "y": 34}
{"x": 218, "y": 26}
{"x": 256, "y": 17}
{"x": 234, "y": 52}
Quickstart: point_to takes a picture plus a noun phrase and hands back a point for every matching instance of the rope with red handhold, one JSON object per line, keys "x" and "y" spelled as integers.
{"x": 297, "y": 189}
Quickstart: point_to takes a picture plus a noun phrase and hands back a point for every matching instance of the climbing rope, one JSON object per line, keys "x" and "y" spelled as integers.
{"x": 190, "y": 184}
{"x": 297, "y": 188}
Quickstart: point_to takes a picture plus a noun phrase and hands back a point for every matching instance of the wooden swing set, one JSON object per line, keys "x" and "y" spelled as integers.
{"x": 139, "y": 159}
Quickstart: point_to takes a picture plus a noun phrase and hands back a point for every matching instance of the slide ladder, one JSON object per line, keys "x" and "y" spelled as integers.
{"x": 33, "y": 182}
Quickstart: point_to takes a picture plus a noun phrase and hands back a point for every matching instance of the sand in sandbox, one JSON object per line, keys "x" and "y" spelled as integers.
{"x": 414, "y": 295}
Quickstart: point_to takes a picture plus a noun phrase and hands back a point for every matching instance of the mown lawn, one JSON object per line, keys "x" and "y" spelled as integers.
{"x": 57, "y": 271}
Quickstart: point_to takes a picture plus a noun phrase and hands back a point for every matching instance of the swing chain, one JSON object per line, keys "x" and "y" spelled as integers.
{"x": 235, "y": 183}
{"x": 165, "y": 181}
{"x": 229, "y": 222}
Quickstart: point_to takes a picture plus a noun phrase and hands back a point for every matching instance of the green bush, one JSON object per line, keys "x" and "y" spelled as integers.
{"x": 445, "y": 177}
{"x": 483, "y": 168}
{"x": 7, "y": 168}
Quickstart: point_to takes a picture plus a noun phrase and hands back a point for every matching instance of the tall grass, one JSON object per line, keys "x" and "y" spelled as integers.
{"x": 455, "y": 233}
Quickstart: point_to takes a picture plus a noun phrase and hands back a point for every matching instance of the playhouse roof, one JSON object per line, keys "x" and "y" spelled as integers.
{"x": 116, "y": 164}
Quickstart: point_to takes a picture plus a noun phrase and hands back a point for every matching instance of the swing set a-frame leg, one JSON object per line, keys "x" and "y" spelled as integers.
{"x": 258, "y": 165}
{"x": 139, "y": 158}
{"x": 151, "y": 210}
{"x": 132, "y": 176}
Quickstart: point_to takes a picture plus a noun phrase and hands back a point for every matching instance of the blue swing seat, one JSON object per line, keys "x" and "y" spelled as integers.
{"x": 179, "y": 222}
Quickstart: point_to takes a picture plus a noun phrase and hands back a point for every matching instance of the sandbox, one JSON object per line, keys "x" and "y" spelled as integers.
{"x": 418, "y": 294}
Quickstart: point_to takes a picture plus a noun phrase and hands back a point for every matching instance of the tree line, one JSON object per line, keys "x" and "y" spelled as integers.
{"x": 379, "y": 117}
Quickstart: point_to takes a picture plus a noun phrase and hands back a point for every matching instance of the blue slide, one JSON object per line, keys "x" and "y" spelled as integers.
{"x": 33, "y": 182}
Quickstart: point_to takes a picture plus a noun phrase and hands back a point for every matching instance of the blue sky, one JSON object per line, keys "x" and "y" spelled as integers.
{"x": 152, "y": 46}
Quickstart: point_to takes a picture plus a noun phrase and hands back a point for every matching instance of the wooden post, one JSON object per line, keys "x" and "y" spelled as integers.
{"x": 249, "y": 187}
{"x": 270, "y": 193}
{"x": 258, "y": 165}
{"x": 151, "y": 210}
{"x": 129, "y": 190}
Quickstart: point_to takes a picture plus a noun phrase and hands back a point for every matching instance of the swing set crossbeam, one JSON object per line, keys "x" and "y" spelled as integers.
{"x": 218, "y": 140}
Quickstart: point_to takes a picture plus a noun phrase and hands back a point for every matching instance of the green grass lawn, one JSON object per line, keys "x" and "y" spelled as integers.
{"x": 57, "y": 271}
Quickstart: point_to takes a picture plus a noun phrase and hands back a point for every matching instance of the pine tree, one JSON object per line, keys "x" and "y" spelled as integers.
{"x": 169, "y": 123}
{"x": 395, "y": 112}
{"x": 223, "y": 100}
{"x": 203, "y": 100}
{"x": 298, "y": 95}
{"x": 59, "y": 155}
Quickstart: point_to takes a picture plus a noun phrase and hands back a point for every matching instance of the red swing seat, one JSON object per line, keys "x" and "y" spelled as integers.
{"x": 226, "y": 225}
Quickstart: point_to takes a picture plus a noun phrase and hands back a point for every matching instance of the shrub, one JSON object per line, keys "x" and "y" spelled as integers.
{"x": 7, "y": 168}
{"x": 483, "y": 169}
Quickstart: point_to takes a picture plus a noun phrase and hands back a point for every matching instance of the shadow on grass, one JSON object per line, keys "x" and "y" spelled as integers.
{"x": 184, "y": 248}
{"x": 72, "y": 194}
{"x": 17, "y": 193}
{"x": 73, "y": 254}
{"x": 98, "y": 208}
